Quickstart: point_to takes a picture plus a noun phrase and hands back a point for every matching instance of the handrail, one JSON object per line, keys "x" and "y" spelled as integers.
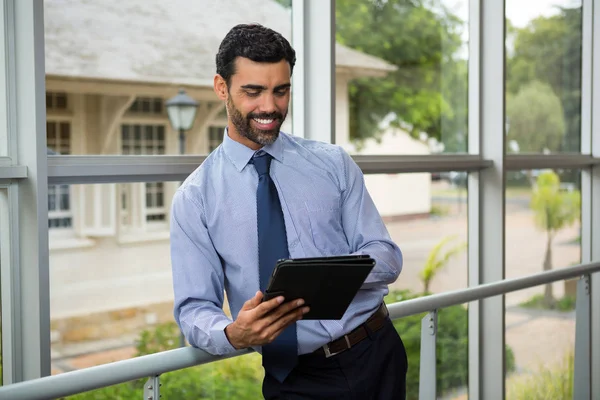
{"x": 69, "y": 383}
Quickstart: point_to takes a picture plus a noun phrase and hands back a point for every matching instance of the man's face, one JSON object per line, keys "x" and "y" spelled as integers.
{"x": 257, "y": 101}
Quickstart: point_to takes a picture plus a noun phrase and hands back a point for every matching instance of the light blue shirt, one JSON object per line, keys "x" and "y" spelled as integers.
{"x": 214, "y": 243}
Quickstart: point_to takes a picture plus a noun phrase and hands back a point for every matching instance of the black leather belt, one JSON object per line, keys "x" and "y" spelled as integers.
{"x": 374, "y": 323}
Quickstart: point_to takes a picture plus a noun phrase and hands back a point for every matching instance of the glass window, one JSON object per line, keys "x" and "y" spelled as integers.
{"x": 403, "y": 85}
{"x": 543, "y": 232}
{"x": 58, "y": 139}
{"x": 543, "y": 76}
{"x": 215, "y": 137}
{"x": 430, "y": 227}
{"x": 148, "y": 140}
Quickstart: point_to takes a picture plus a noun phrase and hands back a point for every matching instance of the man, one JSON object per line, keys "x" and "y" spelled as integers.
{"x": 263, "y": 195}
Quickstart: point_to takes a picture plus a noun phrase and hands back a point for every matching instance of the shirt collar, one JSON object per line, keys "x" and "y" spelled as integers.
{"x": 240, "y": 155}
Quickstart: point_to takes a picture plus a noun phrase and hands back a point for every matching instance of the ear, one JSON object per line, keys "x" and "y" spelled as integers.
{"x": 220, "y": 87}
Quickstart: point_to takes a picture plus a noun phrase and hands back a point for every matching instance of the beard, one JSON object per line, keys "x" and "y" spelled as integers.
{"x": 244, "y": 126}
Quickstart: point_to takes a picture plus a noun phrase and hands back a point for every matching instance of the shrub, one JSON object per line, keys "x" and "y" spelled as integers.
{"x": 451, "y": 349}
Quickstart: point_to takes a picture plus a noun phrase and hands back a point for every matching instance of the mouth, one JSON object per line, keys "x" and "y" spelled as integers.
{"x": 265, "y": 124}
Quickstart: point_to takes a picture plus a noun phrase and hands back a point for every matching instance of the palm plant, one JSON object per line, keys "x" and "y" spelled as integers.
{"x": 554, "y": 209}
{"x": 438, "y": 258}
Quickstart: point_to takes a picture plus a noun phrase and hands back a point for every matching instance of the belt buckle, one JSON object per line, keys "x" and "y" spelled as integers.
{"x": 330, "y": 354}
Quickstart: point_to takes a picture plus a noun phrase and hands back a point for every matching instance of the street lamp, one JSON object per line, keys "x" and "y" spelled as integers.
{"x": 182, "y": 111}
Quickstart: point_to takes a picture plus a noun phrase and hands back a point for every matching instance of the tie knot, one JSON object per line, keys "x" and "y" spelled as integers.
{"x": 262, "y": 163}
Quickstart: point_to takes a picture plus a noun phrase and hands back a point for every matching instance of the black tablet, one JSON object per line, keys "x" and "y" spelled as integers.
{"x": 327, "y": 284}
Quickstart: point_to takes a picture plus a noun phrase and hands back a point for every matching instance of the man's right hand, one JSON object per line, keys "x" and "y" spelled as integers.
{"x": 259, "y": 323}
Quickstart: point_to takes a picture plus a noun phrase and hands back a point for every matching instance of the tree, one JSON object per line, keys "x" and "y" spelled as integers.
{"x": 535, "y": 117}
{"x": 427, "y": 93}
{"x": 548, "y": 50}
{"x": 554, "y": 209}
{"x": 438, "y": 259}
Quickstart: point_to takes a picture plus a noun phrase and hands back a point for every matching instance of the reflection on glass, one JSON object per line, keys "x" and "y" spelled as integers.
{"x": 543, "y": 77}
{"x": 430, "y": 227}
{"x": 93, "y": 117}
{"x": 543, "y": 232}
{"x": 410, "y": 96}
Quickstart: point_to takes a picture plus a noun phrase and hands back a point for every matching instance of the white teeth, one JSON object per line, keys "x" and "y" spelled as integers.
{"x": 263, "y": 121}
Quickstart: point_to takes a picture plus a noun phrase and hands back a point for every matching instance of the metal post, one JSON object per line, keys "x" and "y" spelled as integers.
{"x": 181, "y": 141}
{"x": 26, "y": 111}
{"x": 486, "y": 208}
{"x": 582, "y": 383}
{"x": 152, "y": 388}
{"x": 427, "y": 367}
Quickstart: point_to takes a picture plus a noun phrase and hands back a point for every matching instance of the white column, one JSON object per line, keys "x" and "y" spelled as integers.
{"x": 590, "y": 191}
{"x": 313, "y": 92}
{"x": 23, "y": 32}
{"x": 486, "y": 197}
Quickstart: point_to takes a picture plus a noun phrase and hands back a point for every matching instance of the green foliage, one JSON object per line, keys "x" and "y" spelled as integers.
{"x": 232, "y": 378}
{"x": 162, "y": 338}
{"x": 548, "y": 50}
{"x": 566, "y": 303}
{"x": 536, "y": 118}
{"x": 438, "y": 258}
{"x": 452, "y": 346}
{"x": 554, "y": 382}
{"x": 428, "y": 90}
{"x": 554, "y": 208}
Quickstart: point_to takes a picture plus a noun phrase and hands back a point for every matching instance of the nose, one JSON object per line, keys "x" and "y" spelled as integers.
{"x": 268, "y": 103}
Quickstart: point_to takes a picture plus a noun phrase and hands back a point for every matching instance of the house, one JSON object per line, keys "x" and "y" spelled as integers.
{"x": 110, "y": 66}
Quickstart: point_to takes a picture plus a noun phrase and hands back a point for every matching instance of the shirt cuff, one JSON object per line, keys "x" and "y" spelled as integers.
{"x": 220, "y": 339}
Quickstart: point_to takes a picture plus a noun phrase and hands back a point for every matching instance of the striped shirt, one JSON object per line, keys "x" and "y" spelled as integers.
{"x": 214, "y": 244}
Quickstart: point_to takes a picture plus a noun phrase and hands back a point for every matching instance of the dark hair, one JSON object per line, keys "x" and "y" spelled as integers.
{"x": 253, "y": 41}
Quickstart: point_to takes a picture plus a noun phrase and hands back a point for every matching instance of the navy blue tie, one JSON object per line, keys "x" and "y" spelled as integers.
{"x": 280, "y": 356}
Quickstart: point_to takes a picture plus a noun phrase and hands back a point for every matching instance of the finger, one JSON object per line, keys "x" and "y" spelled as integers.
{"x": 284, "y": 309}
{"x": 266, "y": 307}
{"x": 253, "y": 302}
{"x": 275, "y": 329}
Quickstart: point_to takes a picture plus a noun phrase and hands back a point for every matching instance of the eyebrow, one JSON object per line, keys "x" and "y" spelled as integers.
{"x": 260, "y": 87}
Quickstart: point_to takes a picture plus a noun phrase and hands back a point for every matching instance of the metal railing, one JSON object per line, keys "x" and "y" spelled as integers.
{"x": 154, "y": 365}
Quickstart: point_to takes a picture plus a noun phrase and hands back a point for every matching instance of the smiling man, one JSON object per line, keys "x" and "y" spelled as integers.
{"x": 264, "y": 195}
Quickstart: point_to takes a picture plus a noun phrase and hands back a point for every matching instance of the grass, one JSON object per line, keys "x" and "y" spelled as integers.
{"x": 566, "y": 303}
{"x": 548, "y": 382}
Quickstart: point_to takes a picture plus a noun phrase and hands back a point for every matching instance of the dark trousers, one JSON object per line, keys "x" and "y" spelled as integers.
{"x": 374, "y": 369}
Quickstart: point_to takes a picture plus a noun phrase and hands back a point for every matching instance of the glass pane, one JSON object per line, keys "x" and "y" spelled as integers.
{"x": 175, "y": 63}
{"x": 110, "y": 274}
{"x": 541, "y": 347}
{"x": 406, "y": 92}
{"x": 543, "y": 232}
{"x": 543, "y": 76}
{"x": 430, "y": 227}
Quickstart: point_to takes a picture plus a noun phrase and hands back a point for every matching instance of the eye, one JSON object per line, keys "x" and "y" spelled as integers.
{"x": 252, "y": 93}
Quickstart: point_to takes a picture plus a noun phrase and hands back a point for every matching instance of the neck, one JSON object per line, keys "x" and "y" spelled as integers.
{"x": 235, "y": 135}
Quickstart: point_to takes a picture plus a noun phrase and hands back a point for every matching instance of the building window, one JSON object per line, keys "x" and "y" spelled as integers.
{"x": 147, "y": 105}
{"x": 145, "y": 139}
{"x": 215, "y": 137}
{"x": 58, "y": 138}
{"x": 56, "y": 101}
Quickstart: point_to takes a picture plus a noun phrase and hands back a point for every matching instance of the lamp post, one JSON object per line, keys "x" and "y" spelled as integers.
{"x": 182, "y": 111}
